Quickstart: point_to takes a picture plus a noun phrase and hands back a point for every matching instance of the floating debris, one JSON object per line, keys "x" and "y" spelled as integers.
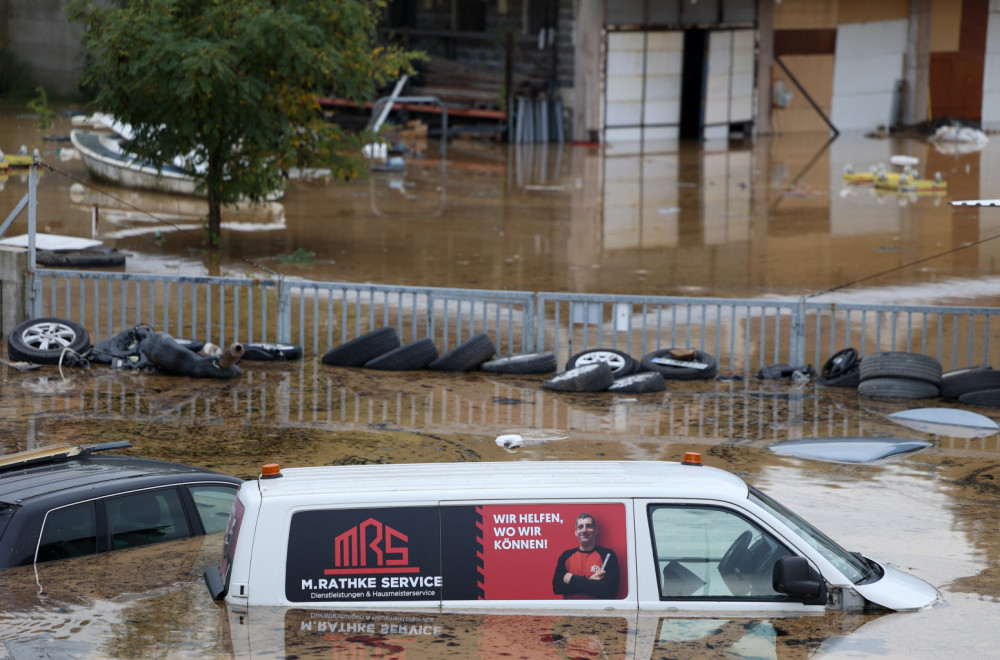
{"x": 849, "y": 449}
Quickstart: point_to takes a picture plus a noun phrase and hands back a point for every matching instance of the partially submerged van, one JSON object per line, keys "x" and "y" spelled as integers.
{"x": 609, "y": 535}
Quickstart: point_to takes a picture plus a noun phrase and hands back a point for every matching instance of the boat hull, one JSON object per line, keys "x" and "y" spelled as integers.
{"x": 106, "y": 162}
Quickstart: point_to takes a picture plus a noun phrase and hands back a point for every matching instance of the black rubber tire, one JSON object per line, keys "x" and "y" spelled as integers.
{"x": 643, "y": 382}
{"x": 974, "y": 379}
{"x": 622, "y": 364}
{"x": 840, "y": 363}
{"x": 850, "y": 379}
{"x": 194, "y": 345}
{"x": 897, "y": 388}
{"x": 42, "y": 341}
{"x": 522, "y": 363}
{"x": 595, "y": 377}
{"x": 163, "y": 351}
{"x": 982, "y": 398}
{"x": 413, "y": 356}
{"x": 896, "y": 364}
{"x": 671, "y": 372}
{"x": 269, "y": 352}
{"x": 362, "y": 349}
{"x": 466, "y": 356}
{"x": 86, "y": 258}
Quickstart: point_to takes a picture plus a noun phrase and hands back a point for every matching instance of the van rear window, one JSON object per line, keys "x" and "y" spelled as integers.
{"x": 463, "y": 552}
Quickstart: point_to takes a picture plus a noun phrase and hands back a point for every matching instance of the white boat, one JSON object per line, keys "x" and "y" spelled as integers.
{"x": 105, "y": 159}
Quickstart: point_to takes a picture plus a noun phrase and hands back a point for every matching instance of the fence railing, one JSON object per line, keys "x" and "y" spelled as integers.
{"x": 743, "y": 334}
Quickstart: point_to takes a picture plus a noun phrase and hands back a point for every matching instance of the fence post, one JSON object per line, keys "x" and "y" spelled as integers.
{"x": 798, "y": 347}
{"x": 284, "y": 311}
{"x": 528, "y": 334}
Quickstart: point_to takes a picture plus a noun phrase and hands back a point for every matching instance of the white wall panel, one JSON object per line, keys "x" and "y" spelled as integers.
{"x": 867, "y": 65}
{"x": 991, "y": 71}
{"x": 644, "y": 78}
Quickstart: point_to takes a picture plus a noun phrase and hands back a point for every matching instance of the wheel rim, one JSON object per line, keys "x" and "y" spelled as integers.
{"x": 615, "y": 361}
{"x": 48, "y": 336}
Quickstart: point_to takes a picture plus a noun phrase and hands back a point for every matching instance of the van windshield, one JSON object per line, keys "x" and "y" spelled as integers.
{"x": 853, "y": 568}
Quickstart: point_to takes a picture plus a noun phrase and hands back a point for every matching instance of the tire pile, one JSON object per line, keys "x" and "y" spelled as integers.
{"x": 899, "y": 375}
{"x": 596, "y": 370}
{"x": 904, "y": 375}
{"x": 602, "y": 369}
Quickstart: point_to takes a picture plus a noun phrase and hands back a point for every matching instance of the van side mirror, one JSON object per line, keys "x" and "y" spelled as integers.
{"x": 796, "y": 577}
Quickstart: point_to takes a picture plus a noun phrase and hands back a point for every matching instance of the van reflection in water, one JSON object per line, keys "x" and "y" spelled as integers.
{"x": 338, "y": 634}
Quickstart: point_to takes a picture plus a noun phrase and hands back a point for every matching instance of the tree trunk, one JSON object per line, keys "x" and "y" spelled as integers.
{"x": 214, "y": 220}
{"x": 213, "y": 180}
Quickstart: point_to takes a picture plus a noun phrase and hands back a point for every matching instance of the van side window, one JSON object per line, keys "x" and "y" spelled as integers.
{"x": 147, "y": 517}
{"x": 707, "y": 552}
{"x": 69, "y": 532}
{"x": 214, "y": 504}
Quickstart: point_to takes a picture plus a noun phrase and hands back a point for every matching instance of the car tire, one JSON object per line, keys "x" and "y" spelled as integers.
{"x": 622, "y": 364}
{"x": 413, "y": 356}
{"x": 896, "y": 364}
{"x": 840, "y": 363}
{"x": 268, "y": 352}
{"x": 850, "y": 379}
{"x": 522, "y": 363}
{"x": 676, "y": 372}
{"x": 42, "y": 341}
{"x": 363, "y": 348}
{"x": 982, "y": 398}
{"x": 963, "y": 381}
{"x": 595, "y": 377}
{"x": 86, "y": 258}
{"x": 897, "y": 388}
{"x": 466, "y": 356}
{"x": 643, "y": 382}
{"x": 843, "y": 369}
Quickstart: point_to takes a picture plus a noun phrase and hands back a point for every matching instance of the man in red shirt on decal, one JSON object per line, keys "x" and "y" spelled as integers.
{"x": 589, "y": 570}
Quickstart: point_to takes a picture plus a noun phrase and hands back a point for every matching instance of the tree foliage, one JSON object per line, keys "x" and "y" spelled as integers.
{"x": 234, "y": 84}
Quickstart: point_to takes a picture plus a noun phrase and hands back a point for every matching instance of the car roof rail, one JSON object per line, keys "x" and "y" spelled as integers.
{"x": 57, "y": 452}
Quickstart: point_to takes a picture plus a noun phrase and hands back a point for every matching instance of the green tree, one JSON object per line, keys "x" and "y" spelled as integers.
{"x": 234, "y": 83}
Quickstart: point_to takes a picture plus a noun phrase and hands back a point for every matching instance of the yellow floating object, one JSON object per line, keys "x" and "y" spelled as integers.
{"x": 906, "y": 184}
{"x": 861, "y": 178}
{"x": 17, "y": 160}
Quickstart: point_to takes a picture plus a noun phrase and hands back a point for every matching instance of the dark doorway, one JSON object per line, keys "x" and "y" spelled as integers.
{"x": 693, "y": 84}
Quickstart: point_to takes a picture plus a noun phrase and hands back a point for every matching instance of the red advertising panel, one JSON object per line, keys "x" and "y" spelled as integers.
{"x": 554, "y": 551}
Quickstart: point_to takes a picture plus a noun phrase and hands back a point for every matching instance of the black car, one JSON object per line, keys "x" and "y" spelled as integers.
{"x": 62, "y": 501}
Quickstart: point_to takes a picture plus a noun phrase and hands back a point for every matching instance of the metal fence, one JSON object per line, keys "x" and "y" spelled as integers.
{"x": 743, "y": 334}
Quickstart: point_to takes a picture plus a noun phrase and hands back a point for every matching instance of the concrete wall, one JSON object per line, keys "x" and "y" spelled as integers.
{"x": 13, "y": 288}
{"x": 39, "y": 34}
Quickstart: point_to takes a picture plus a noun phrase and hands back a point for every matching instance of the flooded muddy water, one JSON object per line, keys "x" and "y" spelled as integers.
{"x": 772, "y": 219}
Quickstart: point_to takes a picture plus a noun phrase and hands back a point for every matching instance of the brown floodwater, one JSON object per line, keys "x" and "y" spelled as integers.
{"x": 772, "y": 219}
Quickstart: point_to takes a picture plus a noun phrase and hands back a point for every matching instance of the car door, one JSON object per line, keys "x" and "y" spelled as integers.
{"x": 706, "y": 555}
{"x": 145, "y": 517}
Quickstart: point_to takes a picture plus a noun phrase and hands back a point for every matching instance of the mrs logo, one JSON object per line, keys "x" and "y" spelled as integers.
{"x": 371, "y": 547}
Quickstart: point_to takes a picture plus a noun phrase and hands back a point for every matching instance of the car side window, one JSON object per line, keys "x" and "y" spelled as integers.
{"x": 146, "y": 517}
{"x": 214, "y": 504}
{"x": 70, "y": 531}
{"x": 708, "y": 552}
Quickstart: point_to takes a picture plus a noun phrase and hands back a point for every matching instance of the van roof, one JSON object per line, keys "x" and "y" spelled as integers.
{"x": 509, "y": 480}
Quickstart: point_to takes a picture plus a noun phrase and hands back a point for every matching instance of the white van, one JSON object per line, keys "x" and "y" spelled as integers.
{"x": 538, "y": 535}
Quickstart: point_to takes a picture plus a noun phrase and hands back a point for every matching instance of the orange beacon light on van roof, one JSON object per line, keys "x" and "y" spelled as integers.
{"x": 691, "y": 458}
{"x": 270, "y": 471}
